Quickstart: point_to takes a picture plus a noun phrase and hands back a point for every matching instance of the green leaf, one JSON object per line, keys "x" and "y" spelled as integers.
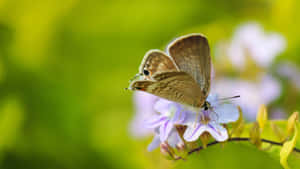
{"x": 288, "y": 148}
{"x": 274, "y": 130}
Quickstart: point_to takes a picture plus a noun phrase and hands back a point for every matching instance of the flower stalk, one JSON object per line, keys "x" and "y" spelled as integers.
{"x": 236, "y": 139}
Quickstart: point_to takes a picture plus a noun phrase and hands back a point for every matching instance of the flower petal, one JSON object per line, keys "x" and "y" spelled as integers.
{"x": 143, "y": 110}
{"x": 291, "y": 71}
{"x": 162, "y": 105}
{"x": 269, "y": 88}
{"x": 182, "y": 117}
{"x": 154, "y": 144}
{"x": 179, "y": 115}
{"x": 268, "y": 48}
{"x": 176, "y": 115}
{"x": 193, "y": 131}
{"x": 213, "y": 100}
{"x": 165, "y": 130}
{"x": 226, "y": 113}
{"x": 190, "y": 117}
{"x": 217, "y": 131}
{"x": 155, "y": 121}
{"x": 174, "y": 138}
{"x": 144, "y": 102}
{"x": 250, "y": 92}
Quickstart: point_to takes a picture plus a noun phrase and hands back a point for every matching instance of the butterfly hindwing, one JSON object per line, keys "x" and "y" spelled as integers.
{"x": 156, "y": 61}
{"x": 175, "y": 86}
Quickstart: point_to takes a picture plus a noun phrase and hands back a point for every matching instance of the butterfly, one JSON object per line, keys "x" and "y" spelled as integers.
{"x": 182, "y": 75}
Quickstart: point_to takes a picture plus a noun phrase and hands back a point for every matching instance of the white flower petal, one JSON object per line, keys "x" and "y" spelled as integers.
{"x": 226, "y": 113}
{"x": 155, "y": 121}
{"x": 250, "y": 40}
{"x": 217, "y": 131}
{"x": 270, "y": 88}
{"x": 213, "y": 100}
{"x": 190, "y": 118}
{"x": 236, "y": 54}
{"x": 268, "y": 48}
{"x": 164, "y": 130}
{"x": 179, "y": 116}
{"x": 174, "y": 138}
{"x": 144, "y": 102}
{"x": 291, "y": 71}
{"x": 278, "y": 114}
{"x": 162, "y": 105}
{"x": 253, "y": 94}
{"x": 154, "y": 144}
{"x": 193, "y": 131}
{"x": 143, "y": 110}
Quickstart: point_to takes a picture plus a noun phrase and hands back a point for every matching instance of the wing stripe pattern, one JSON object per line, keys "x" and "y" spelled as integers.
{"x": 175, "y": 86}
{"x": 191, "y": 54}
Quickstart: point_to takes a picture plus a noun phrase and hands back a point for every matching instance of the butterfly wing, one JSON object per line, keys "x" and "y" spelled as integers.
{"x": 192, "y": 55}
{"x": 156, "y": 61}
{"x": 175, "y": 86}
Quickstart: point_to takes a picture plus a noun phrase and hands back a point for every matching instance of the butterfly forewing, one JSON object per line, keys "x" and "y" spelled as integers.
{"x": 175, "y": 86}
{"x": 191, "y": 54}
{"x": 156, "y": 61}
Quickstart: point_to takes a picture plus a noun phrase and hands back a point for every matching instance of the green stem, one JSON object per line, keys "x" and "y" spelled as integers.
{"x": 237, "y": 139}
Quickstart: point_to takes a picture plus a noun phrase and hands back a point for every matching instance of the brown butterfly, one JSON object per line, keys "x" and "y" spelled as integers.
{"x": 182, "y": 76}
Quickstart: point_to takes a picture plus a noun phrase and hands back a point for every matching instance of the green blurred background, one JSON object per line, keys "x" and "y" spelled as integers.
{"x": 64, "y": 65}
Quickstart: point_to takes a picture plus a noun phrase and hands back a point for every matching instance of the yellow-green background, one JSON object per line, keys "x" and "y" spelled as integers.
{"x": 64, "y": 65}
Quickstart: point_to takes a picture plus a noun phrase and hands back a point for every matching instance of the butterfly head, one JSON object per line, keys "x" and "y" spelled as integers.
{"x": 206, "y": 105}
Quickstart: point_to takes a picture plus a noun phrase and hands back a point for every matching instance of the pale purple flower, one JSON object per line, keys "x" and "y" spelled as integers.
{"x": 143, "y": 110}
{"x": 265, "y": 90}
{"x": 290, "y": 71}
{"x": 173, "y": 139}
{"x": 210, "y": 120}
{"x": 250, "y": 40}
{"x": 278, "y": 114}
{"x": 163, "y": 122}
{"x": 169, "y": 114}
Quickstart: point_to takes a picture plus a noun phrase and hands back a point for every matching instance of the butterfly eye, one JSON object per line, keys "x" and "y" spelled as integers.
{"x": 205, "y": 108}
{"x": 139, "y": 88}
{"x": 206, "y": 105}
{"x": 146, "y": 72}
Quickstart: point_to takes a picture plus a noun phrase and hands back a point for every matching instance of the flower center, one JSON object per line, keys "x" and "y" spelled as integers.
{"x": 204, "y": 117}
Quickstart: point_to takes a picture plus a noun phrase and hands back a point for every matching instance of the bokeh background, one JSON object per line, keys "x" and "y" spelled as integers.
{"x": 64, "y": 65}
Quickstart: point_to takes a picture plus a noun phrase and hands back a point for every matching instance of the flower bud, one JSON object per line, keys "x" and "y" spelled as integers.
{"x": 262, "y": 117}
{"x": 293, "y": 119}
{"x": 167, "y": 151}
{"x": 182, "y": 150}
{"x": 255, "y": 135}
{"x": 239, "y": 125}
{"x": 181, "y": 147}
{"x": 288, "y": 147}
{"x": 205, "y": 139}
{"x": 278, "y": 132}
{"x": 181, "y": 129}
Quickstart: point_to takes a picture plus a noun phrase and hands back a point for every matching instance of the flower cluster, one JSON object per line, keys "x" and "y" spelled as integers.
{"x": 168, "y": 116}
{"x": 250, "y": 56}
{"x": 178, "y": 128}
{"x": 248, "y": 69}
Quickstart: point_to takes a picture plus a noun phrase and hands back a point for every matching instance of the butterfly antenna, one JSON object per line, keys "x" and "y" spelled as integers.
{"x": 228, "y": 98}
{"x": 137, "y": 75}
